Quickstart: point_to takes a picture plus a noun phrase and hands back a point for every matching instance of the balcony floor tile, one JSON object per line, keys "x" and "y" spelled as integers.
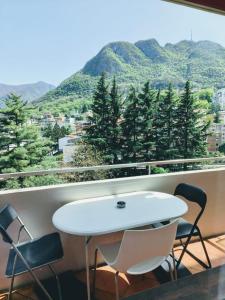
{"x": 105, "y": 289}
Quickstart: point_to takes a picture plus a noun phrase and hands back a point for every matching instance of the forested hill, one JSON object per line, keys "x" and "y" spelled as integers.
{"x": 202, "y": 62}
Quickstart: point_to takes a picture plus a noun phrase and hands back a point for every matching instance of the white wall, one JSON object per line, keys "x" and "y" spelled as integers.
{"x": 37, "y": 205}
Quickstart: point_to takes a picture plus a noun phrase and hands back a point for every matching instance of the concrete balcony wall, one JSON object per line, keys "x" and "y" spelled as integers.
{"x": 37, "y": 205}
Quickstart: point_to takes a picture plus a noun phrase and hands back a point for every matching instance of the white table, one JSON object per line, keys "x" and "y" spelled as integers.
{"x": 97, "y": 216}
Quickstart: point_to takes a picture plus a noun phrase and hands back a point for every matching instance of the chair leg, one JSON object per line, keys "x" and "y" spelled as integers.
{"x": 11, "y": 288}
{"x": 57, "y": 281}
{"x": 183, "y": 251}
{"x": 95, "y": 267}
{"x": 116, "y": 285}
{"x": 174, "y": 265}
{"x": 40, "y": 285}
{"x": 170, "y": 270}
{"x": 204, "y": 265}
{"x": 12, "y": 282}
{"x": 12, "y": 279}
{"x": 32, "y": 273}
{"x": 204, "y": 248}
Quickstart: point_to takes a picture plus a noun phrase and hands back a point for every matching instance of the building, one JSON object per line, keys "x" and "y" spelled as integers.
{"x": 81, "y": 126}
{"x": 222, "y": 116}
{"x": 212, "y": 143}
{"x": 67, "y": 146}
{"x": 219, "y": 98}
{"x": 216, "y": 137}
{"x": 47, "y": 119}
{"x": 69, "y": 139}
{"x": 60, "y": 120}
{"x": 68, "y": 152}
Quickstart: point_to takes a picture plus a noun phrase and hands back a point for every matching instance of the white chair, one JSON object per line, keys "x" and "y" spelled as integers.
{"x": 139, "y": 252}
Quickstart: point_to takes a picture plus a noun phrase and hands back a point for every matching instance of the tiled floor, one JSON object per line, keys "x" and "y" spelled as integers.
{"x": 129, "y": 285}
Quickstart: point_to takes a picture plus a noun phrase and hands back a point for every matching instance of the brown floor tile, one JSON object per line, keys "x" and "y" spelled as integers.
{"x": 142, "y": 285}
{"x": 105, "y": 280}
{"x": 216, "y": 251}
{"x": 28, "y": 291}
{"x": 128, "y": 285}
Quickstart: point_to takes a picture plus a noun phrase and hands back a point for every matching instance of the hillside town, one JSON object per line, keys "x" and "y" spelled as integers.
{"x": 216, "y": 137}
{"x": 78, "y": 123}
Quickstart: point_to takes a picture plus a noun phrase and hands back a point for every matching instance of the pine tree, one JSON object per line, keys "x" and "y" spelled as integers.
{"x": 47, "y": 131}
{"x": 21, "y": 144}
{"x": 156, "y": 121}
{"x": 84, "y": 108}
{"x": 86, "y": 155}
{"x": 65, "y": 131}
{"x": 165, "y": 146}
{"x": 114, "y": 140}
{"x": 192, "y": 126}
{"x": 147, "y": 110}
{"x": 56, "y": 135}
{"x": 131, "y": 129}
{"x": 98, "y": 133}
{"x": 216, "y": 111}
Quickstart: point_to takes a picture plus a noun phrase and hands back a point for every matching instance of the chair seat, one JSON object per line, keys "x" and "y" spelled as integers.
{"x": 184, "y": 229}
{"x": 110, "y": 252}
{"x": 37, "y": 253}
{"x": 146, "y": 266}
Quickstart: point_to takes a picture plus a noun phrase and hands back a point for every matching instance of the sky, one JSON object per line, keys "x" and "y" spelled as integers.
{"x": 49, "y": 40}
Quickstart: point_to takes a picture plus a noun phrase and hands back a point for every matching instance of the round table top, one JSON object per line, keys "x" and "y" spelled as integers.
{"x": 97, "y": 216}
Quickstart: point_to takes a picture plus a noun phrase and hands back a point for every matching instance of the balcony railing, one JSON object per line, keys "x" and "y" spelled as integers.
{"x": 36, "y": 205}
{"x": 148, "y": 165}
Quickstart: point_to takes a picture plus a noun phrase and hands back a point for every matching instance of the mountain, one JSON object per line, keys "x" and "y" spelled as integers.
{"x": 202, "y": 62}
{"x": 29, "y": 92}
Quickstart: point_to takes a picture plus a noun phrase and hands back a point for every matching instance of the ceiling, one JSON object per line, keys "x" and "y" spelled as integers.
{"x": 217, "y": 6}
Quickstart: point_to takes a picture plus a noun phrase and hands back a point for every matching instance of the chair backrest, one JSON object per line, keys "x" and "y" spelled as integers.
{"x": 7, "y": 216}
{"x": 192, "y": 193}
{"x": 142, "y": 245}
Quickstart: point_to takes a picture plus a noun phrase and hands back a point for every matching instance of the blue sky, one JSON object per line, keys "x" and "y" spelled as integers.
{"x": 50, "y": 40}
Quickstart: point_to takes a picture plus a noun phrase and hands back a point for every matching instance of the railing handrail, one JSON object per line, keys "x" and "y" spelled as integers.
{"x": 149, "y": 164}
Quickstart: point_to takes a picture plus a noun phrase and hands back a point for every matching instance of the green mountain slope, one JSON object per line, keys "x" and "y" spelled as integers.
{"x": 202, "y": 62}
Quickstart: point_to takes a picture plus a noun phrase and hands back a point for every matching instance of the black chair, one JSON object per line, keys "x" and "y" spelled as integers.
{"x": 31, "y": 254}
{"x": 186, "y": 230}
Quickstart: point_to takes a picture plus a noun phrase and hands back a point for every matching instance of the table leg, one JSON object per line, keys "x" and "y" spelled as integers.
{"x": 87, "y": 240}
